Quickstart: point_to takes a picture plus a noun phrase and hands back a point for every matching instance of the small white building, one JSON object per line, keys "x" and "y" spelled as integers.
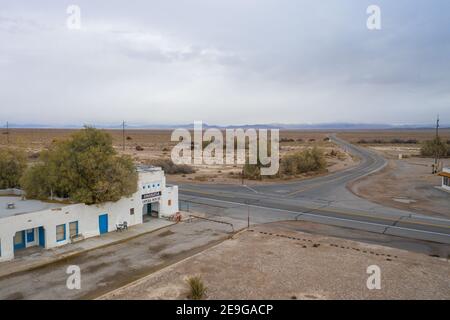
{"x": 445, "y": 174}
{"x": 27, "y": 223}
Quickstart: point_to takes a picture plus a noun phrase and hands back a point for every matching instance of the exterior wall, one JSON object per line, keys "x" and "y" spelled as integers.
{"x": 169, "y": 202}
{"x": 443, "y": 185}
{"x": 88, "y": 215}
{"x": 16, "y": 192}
{"x": 151, "y": 183}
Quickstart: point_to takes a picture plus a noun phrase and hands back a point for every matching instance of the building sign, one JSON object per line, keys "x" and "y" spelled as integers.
{"x": 151, "y": 197}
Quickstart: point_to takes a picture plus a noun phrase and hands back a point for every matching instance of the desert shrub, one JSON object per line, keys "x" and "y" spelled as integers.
{"x": 12, "y": 165}
{"x": 34, "y": 155}
{"x": 372, "y": 141}
{"x": 205, "y": 177}
{"x": 171, "y": 168}
{"x": 84, "y": 168}
{"x": 299, "y": 140}
{"x": 401, "y": 141}
{"x": 305, "y": 161}
{"x": 197, "y": 289}
{"x": 139, "y": 148}
{"x": 287, "y": 140}
{"x": 129, "y": 138}
{"x": 434, "y": 147}
{"x": 392, "y": 141}
{"x": 251, "y": 171}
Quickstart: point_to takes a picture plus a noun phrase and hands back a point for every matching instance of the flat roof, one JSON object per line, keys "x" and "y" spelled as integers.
{"x": 444, "y": 174}
{"x": 23, "y": 206}
{"x": 147, "y": 168}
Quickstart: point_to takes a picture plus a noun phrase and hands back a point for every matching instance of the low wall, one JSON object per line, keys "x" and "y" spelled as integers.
{"x": 11, "y": 192}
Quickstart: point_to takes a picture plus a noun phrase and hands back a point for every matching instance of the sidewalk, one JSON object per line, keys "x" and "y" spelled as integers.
{"x": 36, "y": 257}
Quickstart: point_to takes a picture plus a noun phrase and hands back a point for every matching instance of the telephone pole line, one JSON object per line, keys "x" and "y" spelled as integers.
{"x": 123, "y": 135}
{"x": 7, "y": 132}
{"x": 436, "y": 154}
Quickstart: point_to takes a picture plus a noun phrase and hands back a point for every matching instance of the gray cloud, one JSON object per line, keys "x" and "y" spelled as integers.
{"x": 224, "y": 62}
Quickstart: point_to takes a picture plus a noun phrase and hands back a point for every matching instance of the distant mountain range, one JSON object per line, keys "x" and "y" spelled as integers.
{"x": 317, "y": 126}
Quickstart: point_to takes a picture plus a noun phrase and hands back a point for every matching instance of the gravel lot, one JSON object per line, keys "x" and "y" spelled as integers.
{"x": 272, "y": 262}
{"x": 407, "y": 184}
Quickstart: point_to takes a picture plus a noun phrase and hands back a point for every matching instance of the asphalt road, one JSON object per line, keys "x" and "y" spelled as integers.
{"x": 324, "y": 199}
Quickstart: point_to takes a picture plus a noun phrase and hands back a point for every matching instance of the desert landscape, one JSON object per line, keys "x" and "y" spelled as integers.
{"x": 405, "y": 183}
{"x": 147, "y": 146}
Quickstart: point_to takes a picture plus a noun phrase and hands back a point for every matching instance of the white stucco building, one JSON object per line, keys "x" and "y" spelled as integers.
{"x": 26, "y": 223}
{"x": 445, "y": 174}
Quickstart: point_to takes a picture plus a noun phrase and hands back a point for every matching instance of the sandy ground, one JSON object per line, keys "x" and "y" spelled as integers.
{"x": 406, "y": 184}
{"x": 420, "y": 135}
{"x": 272, "y": 262}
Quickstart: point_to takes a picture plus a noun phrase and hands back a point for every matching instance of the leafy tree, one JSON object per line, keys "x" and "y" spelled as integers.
{"x": 12, "y": 165}
{"x": 85, "y": 168}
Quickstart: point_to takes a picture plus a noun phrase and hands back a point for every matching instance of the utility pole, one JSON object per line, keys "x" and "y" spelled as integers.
{"x": 123, "y": 135}
{"x": 436, "y": 153}
{"x": 7, "y": 132}
{"x": 248, "y": 215}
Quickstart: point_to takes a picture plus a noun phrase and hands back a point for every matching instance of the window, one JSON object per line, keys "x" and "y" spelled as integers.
{"x": 61, "y": 232}
{"x": 30, "y": 235}
{"x": 446, "y": 181}
{"x": 19, "y": 238}
{"x": 73, "y": 229}
{"x": 169, "y": 202}
{"x": 131, "y": 211}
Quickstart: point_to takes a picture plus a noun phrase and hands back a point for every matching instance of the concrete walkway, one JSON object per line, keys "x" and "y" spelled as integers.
{"x": 36, "y": 257}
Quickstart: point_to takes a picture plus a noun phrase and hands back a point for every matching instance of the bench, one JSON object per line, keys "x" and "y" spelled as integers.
{"x": 122, "y": 226}
{"x": 76, "y": 238}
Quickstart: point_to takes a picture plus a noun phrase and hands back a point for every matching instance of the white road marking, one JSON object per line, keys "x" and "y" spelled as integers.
{"x": 330, "y": 217}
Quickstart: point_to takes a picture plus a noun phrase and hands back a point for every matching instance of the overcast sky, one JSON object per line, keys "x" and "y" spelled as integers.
{"x": 224, "y": 62}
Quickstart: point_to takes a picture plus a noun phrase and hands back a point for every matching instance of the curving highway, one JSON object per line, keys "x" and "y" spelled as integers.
{"x": 324, "y": 199}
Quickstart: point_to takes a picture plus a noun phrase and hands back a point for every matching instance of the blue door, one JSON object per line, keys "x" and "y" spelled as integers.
{"x": 41, "y": 232}
{"x": 30, "y": 235}
{"x": 19, "y": 240}
{"x": 103, "y": 223}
